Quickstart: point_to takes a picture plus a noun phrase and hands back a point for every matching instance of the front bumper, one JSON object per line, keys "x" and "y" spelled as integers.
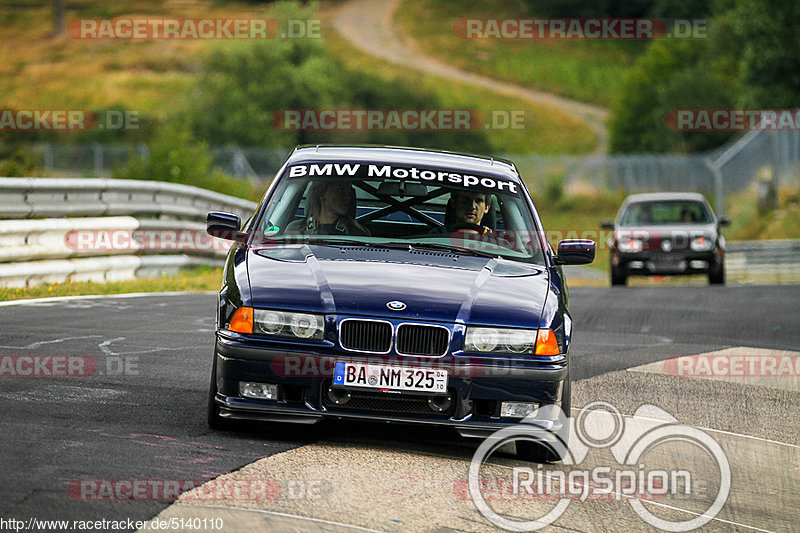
{"x": 676, "y": 262}
{"x": 476, "y": 388}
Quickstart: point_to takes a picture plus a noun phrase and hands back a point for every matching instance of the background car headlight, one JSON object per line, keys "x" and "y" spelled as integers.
{"x": 630, "y": 245}
{"x": 286, "y": 324}
{"x": 701, "y": 244}
{"x": 500, "y": 340}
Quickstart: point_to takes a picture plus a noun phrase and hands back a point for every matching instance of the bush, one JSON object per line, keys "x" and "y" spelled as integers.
{"x": 243, "y": 84}
{"x": 18, "y": 162}
{"x": 670, "y": 75}
{"x": 175, "y": 156}
{"x": 620, "y": 8}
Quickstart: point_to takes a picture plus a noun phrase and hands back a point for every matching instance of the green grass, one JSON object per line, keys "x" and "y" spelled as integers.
{"x": 197, "y": 279}
{"x": 749, "y": 224}
{"x": 589, "y": 71}
{"x": 154, "y": 77}
{"x": 547, "y": 130}
{"x": 578, "y": 216}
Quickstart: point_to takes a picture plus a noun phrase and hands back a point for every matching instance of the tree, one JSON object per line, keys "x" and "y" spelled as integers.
{"x": 770, "y": 33}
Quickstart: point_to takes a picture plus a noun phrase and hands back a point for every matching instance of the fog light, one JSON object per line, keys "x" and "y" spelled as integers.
{"x": 517, "y": 409}
{"x": 259, "y": 391}
{"x": 698, "y": 265}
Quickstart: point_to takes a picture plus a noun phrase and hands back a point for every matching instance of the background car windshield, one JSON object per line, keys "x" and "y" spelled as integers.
{"x": 667, "y": 212}
{"x": 401, "y": 211}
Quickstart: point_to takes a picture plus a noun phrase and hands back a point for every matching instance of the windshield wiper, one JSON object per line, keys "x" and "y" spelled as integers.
{"x": 398, "y": 245}
{"x": 447, "y": 248}
{"x": 352, "y": 242}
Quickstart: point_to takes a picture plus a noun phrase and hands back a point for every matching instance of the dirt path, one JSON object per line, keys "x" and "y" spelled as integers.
{"x": 368, "y": 25}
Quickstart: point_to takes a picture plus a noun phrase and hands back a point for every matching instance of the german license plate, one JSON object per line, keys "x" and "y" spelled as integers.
{"x": 373, "y": 376}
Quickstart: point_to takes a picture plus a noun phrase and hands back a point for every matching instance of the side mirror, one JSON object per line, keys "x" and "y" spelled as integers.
{"x": 225, "y": 226}
{"x": 575, "y": 252}
{"x": 724, "y": 221}
{"x": 607, "y": 224}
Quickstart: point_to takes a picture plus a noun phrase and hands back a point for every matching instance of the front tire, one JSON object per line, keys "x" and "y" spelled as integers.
{"x": 618, "y": 276}
{"x": 716, "y": 275}
{"x": 540, "y": 452}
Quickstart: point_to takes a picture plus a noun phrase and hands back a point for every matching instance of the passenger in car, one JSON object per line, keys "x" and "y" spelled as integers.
{"x": 331, "y": 210}
{"x": 645, "y": 214}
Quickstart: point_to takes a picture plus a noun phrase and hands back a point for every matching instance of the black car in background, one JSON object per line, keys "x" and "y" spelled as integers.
{"x": 667, "y": 234}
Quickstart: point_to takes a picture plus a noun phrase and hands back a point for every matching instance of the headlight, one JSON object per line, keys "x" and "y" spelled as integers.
{"x": 630, "y": 245}
{"x": 286, "y": 324}
{"x": 701, "y": 244}
{"x": 500, "y": 340}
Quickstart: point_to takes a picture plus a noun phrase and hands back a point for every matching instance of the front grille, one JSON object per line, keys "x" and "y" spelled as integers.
{"x": 366, "y": 335}
{"x": 386, "y": 402}
{"x": 413, "y": 339}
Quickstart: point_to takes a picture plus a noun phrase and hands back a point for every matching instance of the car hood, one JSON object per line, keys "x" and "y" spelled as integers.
{"x": 433, "y": 286}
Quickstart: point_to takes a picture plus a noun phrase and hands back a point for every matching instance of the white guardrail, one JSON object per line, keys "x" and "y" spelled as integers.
{"x": 116, "y": 230}
{"x": 763, "y": 261}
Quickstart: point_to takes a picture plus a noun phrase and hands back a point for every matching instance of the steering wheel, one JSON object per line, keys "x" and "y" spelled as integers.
{"x": 468, "y": 226}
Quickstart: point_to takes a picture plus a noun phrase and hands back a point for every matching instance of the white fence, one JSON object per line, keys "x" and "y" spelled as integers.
{"x": 100, "y": 160}
{"x": 118, "y": 229}
{"x": 730, "y": 168}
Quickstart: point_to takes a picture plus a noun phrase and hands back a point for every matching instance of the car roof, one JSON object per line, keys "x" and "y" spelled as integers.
{"x": 406, "y": 156}
{"x": 658, "y": 196}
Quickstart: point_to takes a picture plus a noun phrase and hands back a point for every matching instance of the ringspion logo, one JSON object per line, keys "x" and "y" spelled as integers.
{"x": 636, "y": 472}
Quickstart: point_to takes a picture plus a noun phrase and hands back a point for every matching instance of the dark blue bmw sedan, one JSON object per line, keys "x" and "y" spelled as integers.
{"x": 393, "y": 284}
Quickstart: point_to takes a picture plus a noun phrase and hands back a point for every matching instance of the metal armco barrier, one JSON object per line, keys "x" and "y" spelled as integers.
{"x": 116, "y": 230}
{"x": 56, "y": 197}
{"x": 763, "y": 261}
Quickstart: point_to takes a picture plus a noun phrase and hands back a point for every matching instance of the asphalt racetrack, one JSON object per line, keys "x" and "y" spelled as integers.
{"x": 141, "y": 416}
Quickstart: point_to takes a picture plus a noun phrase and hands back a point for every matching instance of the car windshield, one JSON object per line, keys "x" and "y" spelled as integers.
{"x": 400, "y": 207}
{"x": 666, "y": 212}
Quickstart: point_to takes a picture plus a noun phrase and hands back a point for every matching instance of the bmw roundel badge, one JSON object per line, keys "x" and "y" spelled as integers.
{"x": 396, "y": 305}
